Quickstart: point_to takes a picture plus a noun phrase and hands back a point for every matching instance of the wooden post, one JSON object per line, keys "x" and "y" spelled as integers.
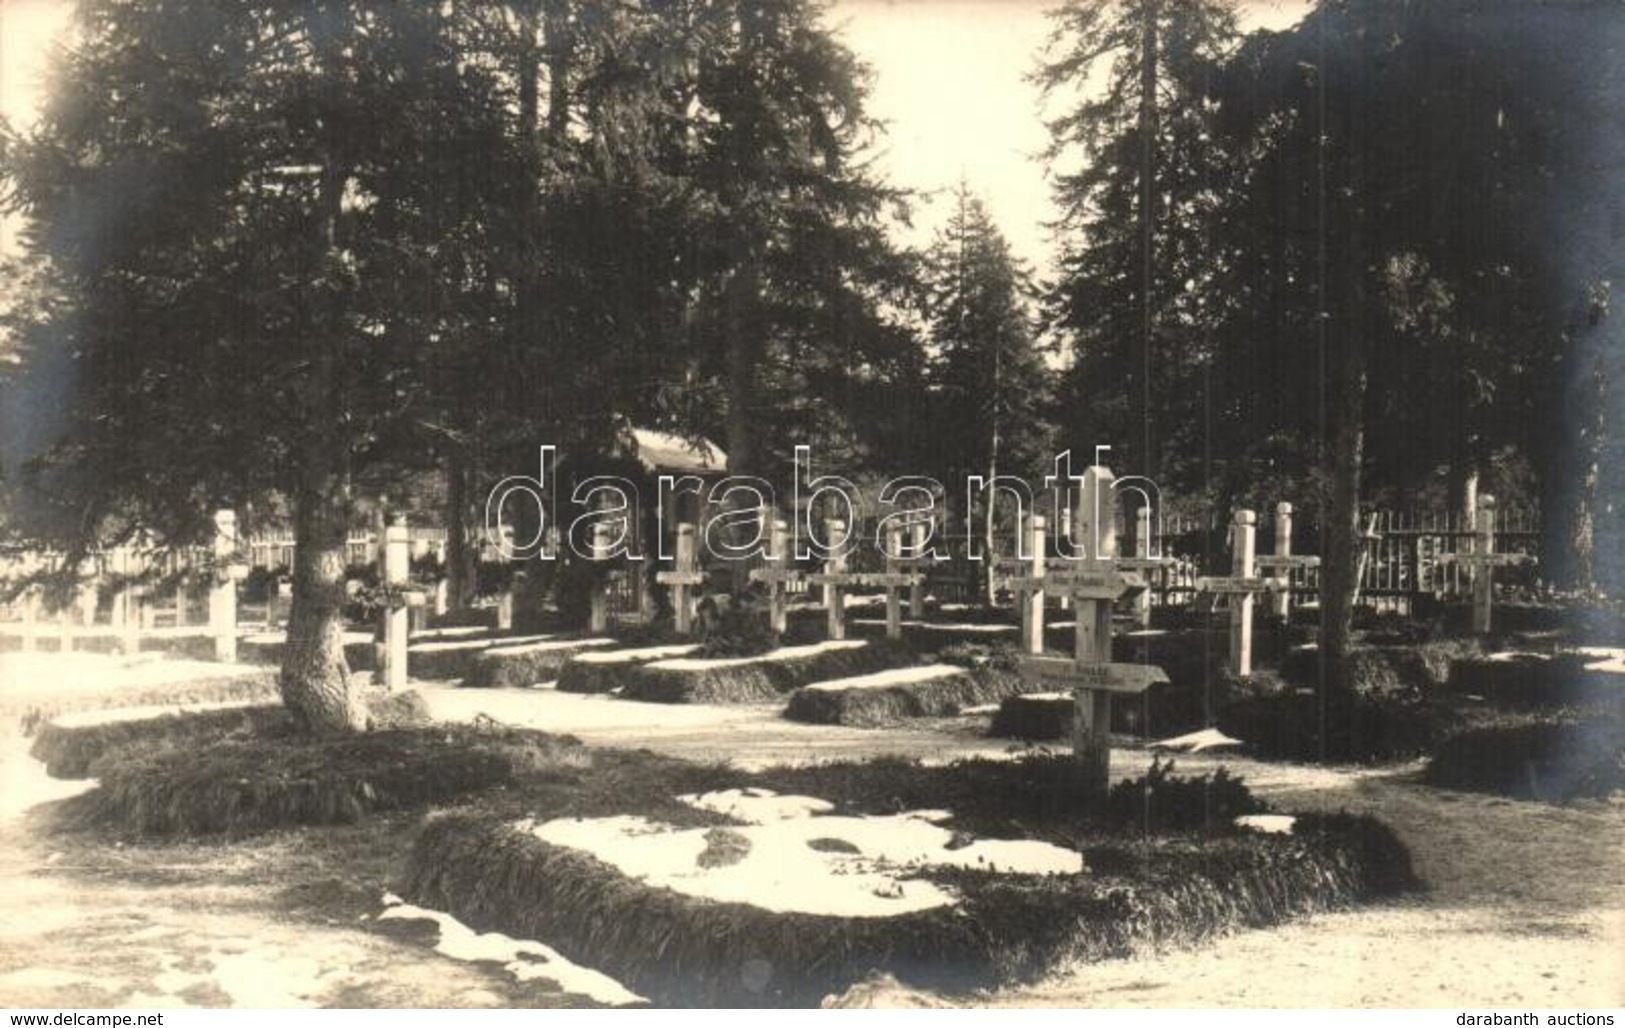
{"x": 598, "y": 614}
{"x": 1032, "y": 602}
{"x": 834, "y": 601}
{"x": 509, "y": 600}
{"x": 916, "y": 592}
{"x": 1283, "y": 548}
{"x": 1483, "y": 580}
{"x": 397, "y": 618}
{"x": 779, "y": 599}
{"x": 442, "y": 597}
{"x": 1243, "y": 544}
{"x": 223, "y": 594}
{"x": 30, "y": 619}
{"x": 683, "y": 577}
{"x": 894, "y": 600}
{"x": 127, "y": 610}
{"x": 1142, "y": 549}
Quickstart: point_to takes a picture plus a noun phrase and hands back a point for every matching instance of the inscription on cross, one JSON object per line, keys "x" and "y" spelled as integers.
{"x": 1241, "y": 587}
{"x": 1283, "y": 562}
{"x": 1093, "y": 585}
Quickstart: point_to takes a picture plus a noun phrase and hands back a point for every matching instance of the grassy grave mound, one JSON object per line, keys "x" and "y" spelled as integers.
{"x": 1179, "y": 876}
{"x": 888, "y": 697}
{"x": 244, "y": 785}
{"x": 1333, "y": 725}
{"x": 34, "y": 709}
{"x": 757, "y": 679}
{"x": 1533, "y": 681}
{"x": 72, "y": 750}
{"x": 1399, "y": 671}
{"x": 604, "y": 670}
{"x": 522, "y": 666}
{"x": 1545, "y": 757}
{"x": 1039, "y": 717}
{"x": 447, "y": 658}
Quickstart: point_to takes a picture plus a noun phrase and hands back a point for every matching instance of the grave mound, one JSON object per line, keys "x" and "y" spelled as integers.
{"x": 244, "y": 785}
{"x": 1552, "y": 758}
{"x": 756, "y": 679}
{"x": 524, "y": 665}
{"x": 599, "y": 671}
{"x": 927, "y": 896}
{"x": 886, "y": 697}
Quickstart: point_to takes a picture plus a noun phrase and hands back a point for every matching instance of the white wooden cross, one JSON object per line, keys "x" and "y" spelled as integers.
{"x": 1093, "y": 584}
{"x": 899, "y": 575}
{"x": 1283, "y": 561}
{"x": 684, "y": 576}
{"x": 402, "y": 601}
{"x": 1145, "y": 563}
{"x": 223, "y": 595}
{"x": 777, "y": 574}
{"x": 1484, "y": 560}
{"x": 1241, "y": 586}
{"x": 835, "y": 578}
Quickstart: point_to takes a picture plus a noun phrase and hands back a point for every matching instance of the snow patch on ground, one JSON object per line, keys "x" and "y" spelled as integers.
{"x": 62, "y": 673}
{"x": 632, "y": 656}
{"x": 1609, "y": 659}
{"x": 24, "y": 784}
{"x": 785, "y": 653}
{"x": 933, "y": 626}
{"x": 1507, "y": 656}
{"x": 549, "y": 645}
{"x": 525, "y": 959}
{"x": 474, "y": 644}
{"x": 116, "y": 715}
{"x": 1196, "y": 742}
{"x": 783, "y": 871}
{"x": 757, "y": 806}
{"x": 1275, "y": 824}
{"x": 890, "y": 677}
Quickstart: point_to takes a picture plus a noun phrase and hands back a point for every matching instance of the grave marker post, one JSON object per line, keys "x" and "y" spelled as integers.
{"x": 223, "y": 593}
{"x": 1032, "y": 598}
{"x": 916, "y": 592}
{"x": 834, "y": 572}
{"x": 778, "y": 574}
{"x": 397, "y": 620}
{"x": 598, "y": 613}
{"x": 894, "y": 601}
{"x": 684, "y": 576}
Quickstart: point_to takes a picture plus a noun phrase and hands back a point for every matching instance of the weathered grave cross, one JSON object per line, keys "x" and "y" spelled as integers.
{"x": 835, "y": 578}
{"x": 1241, "y": 587}
{"x": 1093, "y": 584}
{"x": 1283, "y": 561}
{"x": 1483, "y": 560}
{"x": 778, "y": 573}
{"x": 683, "y": 577}
{"x": 402, "y": 600}
{"x": 1145, "y": 563}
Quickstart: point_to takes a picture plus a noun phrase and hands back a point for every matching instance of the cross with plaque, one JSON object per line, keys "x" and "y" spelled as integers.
{"x": 1483, "y": 560}
{"x": 835, "y": 578}
{"x": 684, "y": 576}
{"x": 1283, "y": 562}
{"x": 1093, "y": 584}
{"x": 1145, "y": 564}
{"x": 1241, "y": 588}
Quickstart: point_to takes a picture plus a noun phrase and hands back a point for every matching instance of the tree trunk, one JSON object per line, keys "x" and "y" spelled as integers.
{"x": 461, "y": 550}
{"x": 1343, "y": 542}
{"x": 315, "y": 681}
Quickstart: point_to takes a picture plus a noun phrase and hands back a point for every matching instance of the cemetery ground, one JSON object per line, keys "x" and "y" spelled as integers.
{"x": 1516, "y": 901}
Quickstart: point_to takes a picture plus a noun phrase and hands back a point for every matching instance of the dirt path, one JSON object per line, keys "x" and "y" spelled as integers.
{"x": 1525, "y": 906}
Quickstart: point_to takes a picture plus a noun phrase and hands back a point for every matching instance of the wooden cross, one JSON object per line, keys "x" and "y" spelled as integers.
{"x": 223, "y": 594}
{"x": 896, "y": 579}
{"x": 1029, "y": 587}
{"x": 1145, "y": 563}
{"x": 778, "y": 574}
{"x": 1483, "y": 560}
{"x": 684, "y": 576}
{"x": 1241, "y": 586}
{"x": 834, "y": 578}
{"x": 1091, "y": 674}
{"x": 1283, "y": 562}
